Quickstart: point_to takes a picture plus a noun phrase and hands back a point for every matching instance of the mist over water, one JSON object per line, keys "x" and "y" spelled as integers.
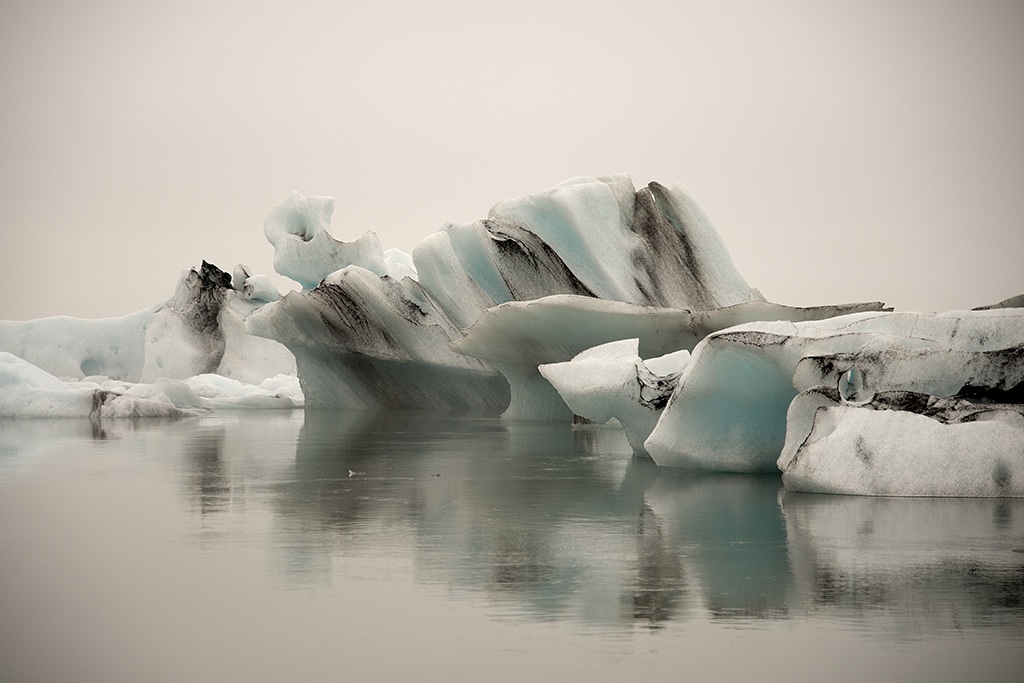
{"x": 414, "y": 546}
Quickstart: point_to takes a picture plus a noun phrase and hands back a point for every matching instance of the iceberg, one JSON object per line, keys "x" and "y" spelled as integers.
{"x": 729, "y": 409}
{"x": 612, "y": 381}
{"x": 518, "y": 337}
{"x": 903, "y": 443}
{"x": 199, "y": 329}
{"x": 543, "y": 278}
{"x": 27, "y": 391}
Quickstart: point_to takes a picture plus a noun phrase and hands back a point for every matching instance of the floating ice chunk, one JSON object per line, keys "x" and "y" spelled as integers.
{"x": 517, "y": 337}
{"x": 27, "y": 391}
{"x": 219, "y": 392}
{"x": 939, "y": 448}
{"x": 729, "y": 410}
{"x": 304, "y": 250}
{"x": 611, "y": 381}
{"x": 177, "y": 394}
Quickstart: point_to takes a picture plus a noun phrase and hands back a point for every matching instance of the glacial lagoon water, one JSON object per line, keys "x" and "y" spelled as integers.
{"x": 326, "y": 546}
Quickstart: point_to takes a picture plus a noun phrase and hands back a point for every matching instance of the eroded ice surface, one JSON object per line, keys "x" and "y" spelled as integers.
{"x": 729, "y": 410}
{"x": 361, "y": 341}
{"x": 593, "y": 238}
{"x": 519, "y": 336}
{"x": 612, "y": 381}
{"x": 305, "y": 251}
{"x": 907, "y": 444}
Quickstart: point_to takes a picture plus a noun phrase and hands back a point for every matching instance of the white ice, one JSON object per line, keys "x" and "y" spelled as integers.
{"x": 612, "y": 381}
{"x": 27, "y": 391}
{"x": 305, "y": 251}
{"x": 519, "y": 336}
{"x": 857, "y": 450}
{"x": 76, "y": 347}
{"x": 729, "y": 410}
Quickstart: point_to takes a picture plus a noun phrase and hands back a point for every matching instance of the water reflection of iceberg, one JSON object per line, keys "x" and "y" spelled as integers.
{"x": 920, "y": 565}
{"x": 545, "y": 519}
{"x": 732, "y": 537}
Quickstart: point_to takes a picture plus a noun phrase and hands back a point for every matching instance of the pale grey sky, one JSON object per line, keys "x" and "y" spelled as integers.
{"x": 846, "y": 151}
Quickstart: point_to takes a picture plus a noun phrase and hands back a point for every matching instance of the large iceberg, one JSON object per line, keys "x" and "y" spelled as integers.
{"x": 543, "y": 278}
{"x": 592, "y": 299}
{"x": 729, "y": 409}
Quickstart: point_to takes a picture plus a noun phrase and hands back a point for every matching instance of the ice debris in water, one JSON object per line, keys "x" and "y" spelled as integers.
{"x": 29, "y": 391}
{"x": 612, "y": 381}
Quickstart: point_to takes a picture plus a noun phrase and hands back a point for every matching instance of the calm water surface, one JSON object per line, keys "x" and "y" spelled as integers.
{"x": 354, "y": 546}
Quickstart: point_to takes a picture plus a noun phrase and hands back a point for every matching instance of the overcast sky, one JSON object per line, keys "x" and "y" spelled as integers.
{"x": 846, "y": 151}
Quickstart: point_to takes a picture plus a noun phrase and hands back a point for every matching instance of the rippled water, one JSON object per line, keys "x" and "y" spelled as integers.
{"x": 353, "y": 546}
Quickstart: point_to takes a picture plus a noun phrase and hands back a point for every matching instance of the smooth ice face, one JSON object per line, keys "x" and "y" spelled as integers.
{"x": 977, "y": 451}
{"x": 304, "y": 249}
{"x": 519, "y": 336}
{"x": 655, "y": 246}
{"x": 77, "y": 348}
{"x": 612, "y": 381}
{"x": 729, "y": 410}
